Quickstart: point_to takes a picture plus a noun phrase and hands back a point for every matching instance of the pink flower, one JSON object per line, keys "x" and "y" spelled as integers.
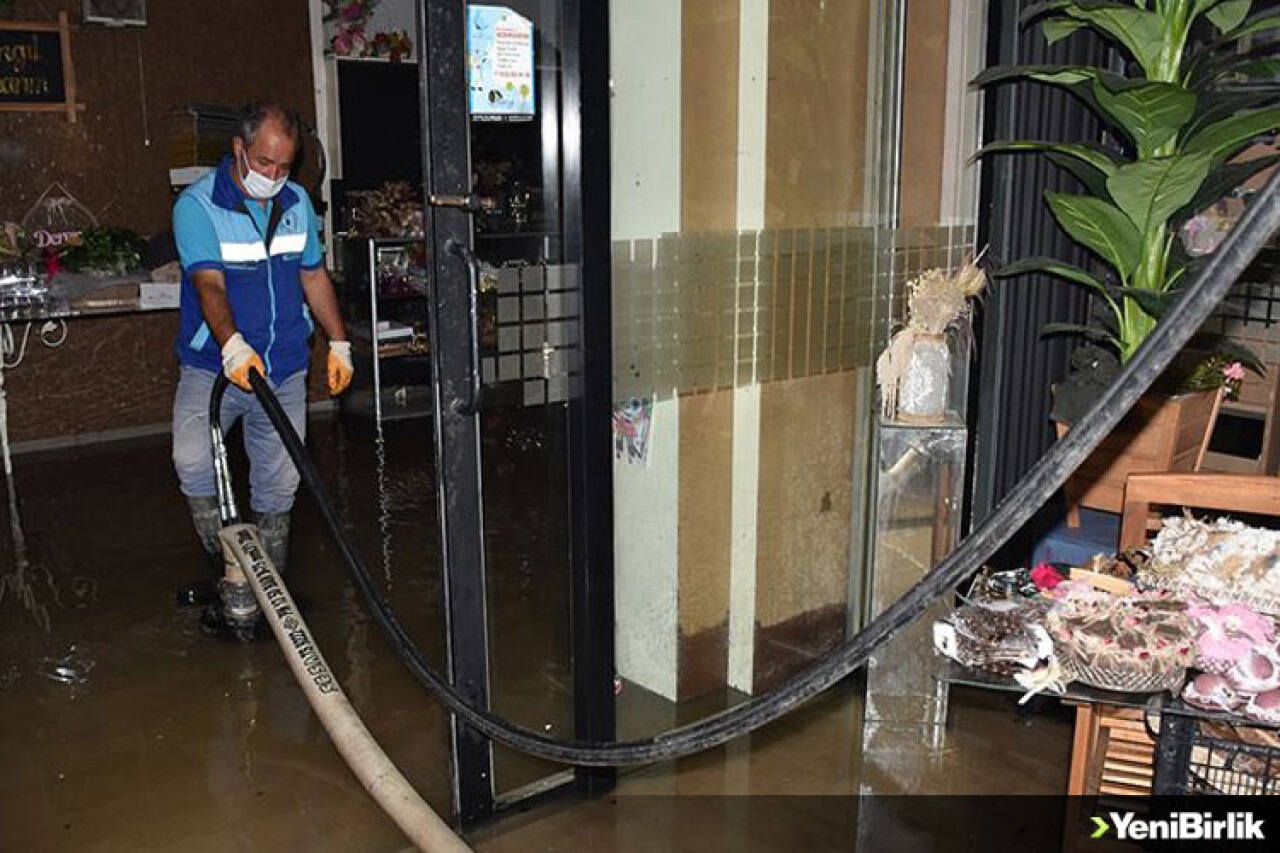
{"x": 1046, "y": 576}
{"x": 1234, "y": 372}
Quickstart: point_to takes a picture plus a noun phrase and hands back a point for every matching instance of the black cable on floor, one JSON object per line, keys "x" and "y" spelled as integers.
{"x": 1032, "y": 491}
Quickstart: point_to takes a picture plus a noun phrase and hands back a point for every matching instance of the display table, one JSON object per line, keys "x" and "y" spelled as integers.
{"x": 84, "y": 295}
{"x": 76, "y": 295}
{"x": 1186, "y": 760}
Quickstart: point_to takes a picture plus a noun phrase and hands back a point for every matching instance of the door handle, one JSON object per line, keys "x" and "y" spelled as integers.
{"x": 471, "y": 202}
{"x": 470, "y": 406}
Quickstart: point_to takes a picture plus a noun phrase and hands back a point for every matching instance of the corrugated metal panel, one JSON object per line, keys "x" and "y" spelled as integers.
{"x": 1017, "y": 364}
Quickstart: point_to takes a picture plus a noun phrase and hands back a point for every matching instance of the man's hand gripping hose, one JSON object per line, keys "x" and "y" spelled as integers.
{"x": 238, "y": 358}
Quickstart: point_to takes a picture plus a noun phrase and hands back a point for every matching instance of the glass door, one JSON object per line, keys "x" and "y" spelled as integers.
{"x": 522, "y": 425}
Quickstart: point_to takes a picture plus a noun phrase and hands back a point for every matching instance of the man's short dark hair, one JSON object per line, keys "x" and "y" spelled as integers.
{"x": 253, "y": 114}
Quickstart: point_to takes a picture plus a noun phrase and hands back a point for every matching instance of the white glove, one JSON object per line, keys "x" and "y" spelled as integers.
{"x": 340, "y": 367}
{"x": 238, "y": 358}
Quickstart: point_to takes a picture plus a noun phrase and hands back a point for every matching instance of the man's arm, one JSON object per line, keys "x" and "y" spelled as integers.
{"x": 212, "y": 287}
{"x": 318, "y": 290}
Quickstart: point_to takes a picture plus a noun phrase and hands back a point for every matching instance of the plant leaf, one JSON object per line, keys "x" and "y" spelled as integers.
{"x": 1217, "y": 104}
{"x": 1091, "y": 155}
{"x": 1153, "y": 302}
{"x": 1139, "y": 30}
{"x": 1224, "y": 138}
{"x": 1149, "y": 113}
{"x": 1056, "y": 29}
{"x": 1267, "y": 68}
{"x": 1093, "y": 180}
{"x": 1213, "y": 343}
{"x": 1199, "y": 7}
{"x": 1099, "y": 226}
{"x": 1263, "y": 21}
{"x": 1090, "y": 332}
{"x": 1221, "y": 181}
{"x": 1050, "y": 266}
{"x": 1076, "y": 79}
{"x": 1150, "y": 191}
{"x": 1060, "y": 75}
{"x": 1228, "y": 15}
{"x": 1035, "y": 10}
{"x": 1221, "y": 56}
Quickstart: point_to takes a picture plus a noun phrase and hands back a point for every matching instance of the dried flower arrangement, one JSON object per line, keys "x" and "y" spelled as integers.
{"x": 392, "y": 210}
{"x": 937, "y": 301}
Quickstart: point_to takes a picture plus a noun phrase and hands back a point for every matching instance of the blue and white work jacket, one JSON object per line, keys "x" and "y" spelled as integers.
{"x": 260, "y": 253}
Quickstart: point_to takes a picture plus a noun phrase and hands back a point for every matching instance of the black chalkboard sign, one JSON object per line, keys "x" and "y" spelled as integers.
{"x": 31, "y": 67}
{"x": 36, "y": 73}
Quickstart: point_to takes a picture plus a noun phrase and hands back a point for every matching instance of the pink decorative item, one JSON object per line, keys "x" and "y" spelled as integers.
{"x": 1264, "y": 708}
{"x": 1046, "y": 576}
{"x": 1230, "y": 633}
{"x": 1211, "y": 692}
{"x": 1256, "y": 672}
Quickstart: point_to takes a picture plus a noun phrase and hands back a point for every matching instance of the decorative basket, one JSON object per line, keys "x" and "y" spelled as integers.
{"x": 1220, "y": 562}
{"x": 1131, "y": 643}
{"x": 1125, "y": 679}
{"x": 1004, "y": 637}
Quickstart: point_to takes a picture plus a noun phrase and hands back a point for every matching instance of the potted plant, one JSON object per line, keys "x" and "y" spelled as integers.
{"x": 1178, "y": 117}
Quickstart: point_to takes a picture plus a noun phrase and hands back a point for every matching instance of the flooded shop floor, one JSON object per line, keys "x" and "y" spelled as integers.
{"x": 124, "y": 727}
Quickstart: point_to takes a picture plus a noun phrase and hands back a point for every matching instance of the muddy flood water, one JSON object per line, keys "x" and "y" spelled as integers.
{"x": 124, "y": 727}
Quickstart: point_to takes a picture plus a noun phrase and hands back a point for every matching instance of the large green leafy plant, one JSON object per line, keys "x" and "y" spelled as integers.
{"x": 1179, "y": 112}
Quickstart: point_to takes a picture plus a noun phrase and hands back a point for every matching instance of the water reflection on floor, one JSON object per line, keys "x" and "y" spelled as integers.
{"x": 122, "y": 727}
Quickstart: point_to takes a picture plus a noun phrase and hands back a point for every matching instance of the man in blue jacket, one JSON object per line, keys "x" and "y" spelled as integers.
{"x": 253, "y": 278}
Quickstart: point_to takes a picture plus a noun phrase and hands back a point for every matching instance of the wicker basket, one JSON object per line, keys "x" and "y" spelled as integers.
{"x": 1123, "y": 679}
{"x": 1129, "y": 644}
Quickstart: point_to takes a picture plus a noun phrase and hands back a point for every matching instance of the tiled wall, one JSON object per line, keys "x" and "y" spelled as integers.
{"x": 702, "y": 312}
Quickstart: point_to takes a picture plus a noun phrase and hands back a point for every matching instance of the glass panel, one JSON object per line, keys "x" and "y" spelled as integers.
{"x": 529, "y": 333}
{"x": 751, "y": 291}
{"x": 760, "y": 248}
{"x": 379, "y": 463}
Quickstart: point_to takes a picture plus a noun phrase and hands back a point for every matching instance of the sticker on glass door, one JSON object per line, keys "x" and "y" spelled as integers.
{"x": 499, "y": 64}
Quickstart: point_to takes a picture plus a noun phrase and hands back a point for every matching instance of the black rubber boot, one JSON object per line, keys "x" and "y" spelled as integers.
{"x": 207, "y": 521}
{"x": 273, "y": 529}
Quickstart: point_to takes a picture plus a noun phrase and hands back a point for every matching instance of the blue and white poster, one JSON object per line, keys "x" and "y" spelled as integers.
{"x": 499, "y": 64}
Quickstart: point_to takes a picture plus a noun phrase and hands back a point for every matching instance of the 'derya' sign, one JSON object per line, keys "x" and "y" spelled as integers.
{"x": 31, "y": 67}
{"x": 36, "y": 72}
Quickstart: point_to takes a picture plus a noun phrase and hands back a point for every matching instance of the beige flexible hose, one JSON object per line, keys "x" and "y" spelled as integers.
{"x": 367, "y": 761}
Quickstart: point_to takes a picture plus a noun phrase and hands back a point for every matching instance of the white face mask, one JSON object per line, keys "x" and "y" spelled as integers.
{"x": 260, "y": 186}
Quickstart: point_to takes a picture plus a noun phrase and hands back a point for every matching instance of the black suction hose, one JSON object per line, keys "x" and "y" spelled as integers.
{"x": 1036, "y": 487}
{"x": 227, "y": 512}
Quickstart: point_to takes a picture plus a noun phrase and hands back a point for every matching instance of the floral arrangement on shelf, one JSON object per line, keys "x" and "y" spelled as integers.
{"x": 393, "y": 44}
{"x": 392, "y": 210}
{"x": 349, "y": 19}
{"x": 351, "y": 37}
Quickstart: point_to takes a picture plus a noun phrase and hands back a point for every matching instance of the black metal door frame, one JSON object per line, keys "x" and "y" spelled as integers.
{"x": 584, "y": 104}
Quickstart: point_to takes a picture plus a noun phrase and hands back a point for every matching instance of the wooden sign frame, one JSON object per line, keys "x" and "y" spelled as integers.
{"x": 68, "y": 104}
